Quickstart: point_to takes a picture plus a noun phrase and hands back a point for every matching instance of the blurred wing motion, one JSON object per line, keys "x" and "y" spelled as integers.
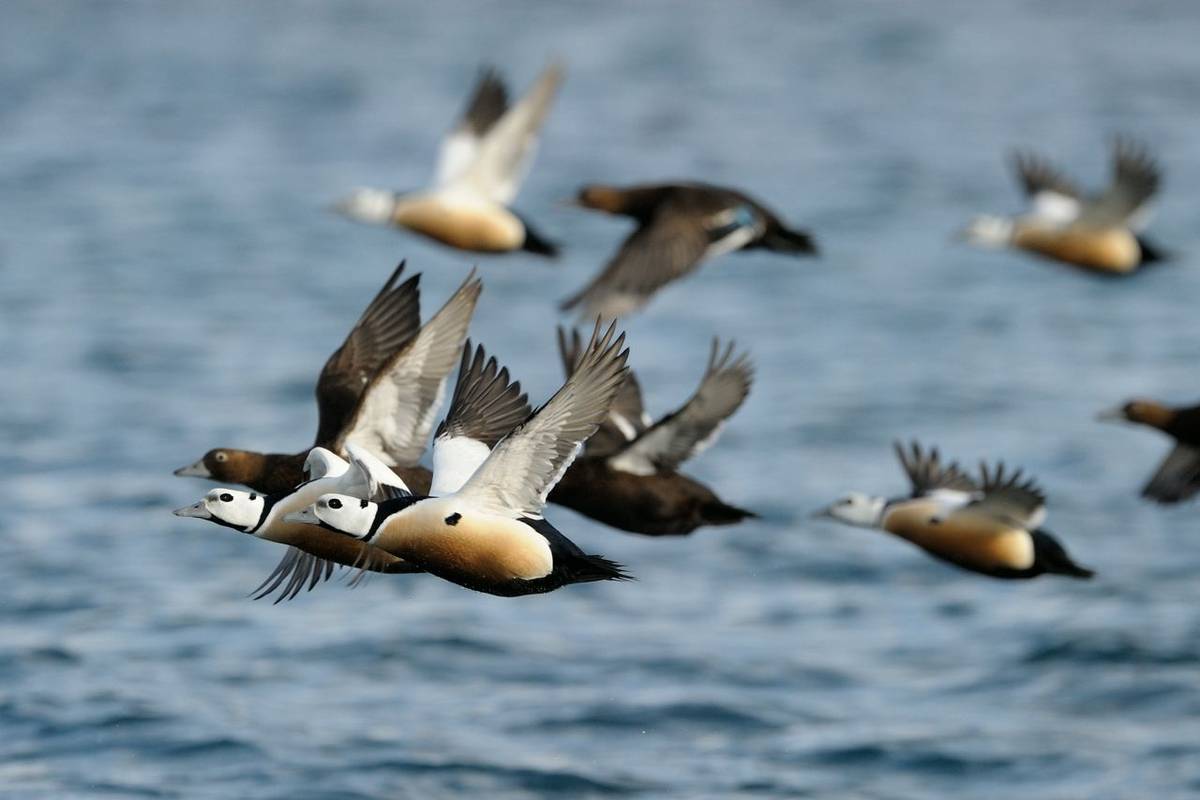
{"x": 689, "y": 430}
{"x": 1052, "y": 196}
{"x": 664, "y": 249}
{"x": 1008, "y": 499}
{"x": 1135, "y": 181}
{"x": 500, "y": 157}
{"x": 522, "y": 469}
{"x": 1178, "y": 478}
{"x": 460, "y": 147}
{"x": 929, "y": 477}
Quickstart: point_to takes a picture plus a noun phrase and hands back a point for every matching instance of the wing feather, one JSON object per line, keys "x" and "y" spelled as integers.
{"x": 522, "y": 469}
{"x": 694, "y": 426}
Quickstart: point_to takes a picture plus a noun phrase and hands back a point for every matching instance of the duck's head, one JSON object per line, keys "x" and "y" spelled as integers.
{"x": 375, "y": 206}
{"x": 339, "y": 512}
{"x": 988, "y": 231}
{"x": 226, "y": 465}
{"x": 232, "y": 508}
{"x": 856, "y": 508}
{"x": 1141, "y": 412}
{"x": 601, "y": 198}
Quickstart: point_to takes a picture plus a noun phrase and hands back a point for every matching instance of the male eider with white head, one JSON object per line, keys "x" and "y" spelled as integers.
{"x": 1100, "y": 233}
{"x": 991, "y": 526}
{"x": 1178, "y": 477}
{"x": 679, "y": 226}
{"x": 628, "y": 476}
{"x": 490, "y": 535}
{"x": 379, "y": 389}
{"x": 312, "y": 553}
{"x": 479, "y": 172}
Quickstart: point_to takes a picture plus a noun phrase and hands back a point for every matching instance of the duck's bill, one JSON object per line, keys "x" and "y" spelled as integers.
{"x": 197, "y": 510}
{"x": 306, "y": 515}
{"x": 197, "y": 470}
{"x": 1111, "y": 415}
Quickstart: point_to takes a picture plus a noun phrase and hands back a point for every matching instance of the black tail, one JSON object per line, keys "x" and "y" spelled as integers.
{"x": 718, "y": 513}
{"x": 536, "y": 243}
{"x": 585, "y": 568}
{"x": 782, "y": 240}
{"x": 1050, "y": 557}
{"x": 1151, "y": 254}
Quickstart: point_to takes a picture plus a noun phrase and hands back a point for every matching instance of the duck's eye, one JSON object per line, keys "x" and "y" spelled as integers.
{"x": 226, "y": 497}
{"x": 221, "y": 456}
{"x": 253, "y": 496}
{"x": 335, "y": 503}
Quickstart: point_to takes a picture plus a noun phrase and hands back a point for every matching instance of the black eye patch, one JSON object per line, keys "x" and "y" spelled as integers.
{"x": 335, "y": 503}
{"x": 453, "y": 518}
{"x": 226, "y": 497}
{"x": 253, "y": 496}
{"x": 363, "y": 503}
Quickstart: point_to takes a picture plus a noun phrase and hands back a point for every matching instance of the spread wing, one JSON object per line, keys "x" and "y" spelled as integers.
{"x": 626, "y": 420}
{"x": 398, "y": 409}
{"x": 1009, "y": 498}
{"x": 387, "y": 324}
{"x": 460, "y": 147}
{"x": 1052, "y": 196}
{"x": 299, "y": 571}
{"x": 368, "y": 478}
{"x": 486, "y": 407}
{"x": 928, "y": 475}
{"x": 1135, "y": 181}
{"x": 503, "y": 156}
{"x": 522, "y": 469}
{"x": 665, "y": 249}
{"x": 693, "y": 427}
{"x": 1177, "y": 478}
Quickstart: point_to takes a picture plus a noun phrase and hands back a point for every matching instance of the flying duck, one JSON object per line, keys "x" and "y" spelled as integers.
{"x": 312, "y": 552}
{"x": 628, "y": 474}
{"x": 1101, "y": 232}
{"x": 380, "y": 389}
{"x": 991, "y": 526}
{"x": 1178, "y": 477}
{"x": 479, "y": 171}
{"x": 679, "y": 225}
{"x": 489, "y": 535}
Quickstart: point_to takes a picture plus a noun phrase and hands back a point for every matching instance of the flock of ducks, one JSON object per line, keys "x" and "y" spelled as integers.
{"x": 359, "y": 496}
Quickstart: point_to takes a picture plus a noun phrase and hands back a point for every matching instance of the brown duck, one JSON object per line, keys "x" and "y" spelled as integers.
{"x": 628, "y": 477}
{"x": 1178, "y": 477}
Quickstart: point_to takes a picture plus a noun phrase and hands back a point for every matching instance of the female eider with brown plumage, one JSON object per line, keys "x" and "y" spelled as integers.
{"x": 378, "y": 389}
{"x": 1101, "y": 233}
{"x": 479, "y": 172}
{"x": 1178, "y": 477}
{"x": 679, "y": 225}
{"x": 992, "y": 526}
{"x": 490, "y": 535}
{"x": 628, "y": 474}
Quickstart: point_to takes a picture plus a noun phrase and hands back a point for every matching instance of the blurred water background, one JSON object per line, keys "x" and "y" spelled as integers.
{"x": 171, "y": 281}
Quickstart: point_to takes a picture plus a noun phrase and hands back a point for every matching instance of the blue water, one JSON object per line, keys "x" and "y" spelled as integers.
{"x": 170, "y": 281}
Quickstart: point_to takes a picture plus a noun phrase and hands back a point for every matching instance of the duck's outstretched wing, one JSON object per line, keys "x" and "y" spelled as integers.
{"x": 1009, "y": 498}
{"x": 666, "y": 248}
{"x": 460, "y": 147}
{"x": 486, "y": 406}
{"x": 387, "y": 325}
{"x": 694, "y": 426}
{"x": 626, "y": 420}
{"x": 525, "y": 465}
{"x": 504, "y": 154}
{"x": 1135, "y": 181}
{"x": 398, "y": 409}
{"x": 927, "y": 475}
{"x": 1177, "y": 478}
{"x": 1052, "y": 196}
